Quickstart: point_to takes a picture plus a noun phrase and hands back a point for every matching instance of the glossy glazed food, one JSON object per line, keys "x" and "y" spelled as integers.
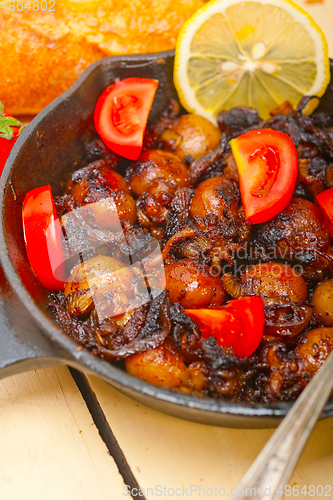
{"x": 190, "y": 208}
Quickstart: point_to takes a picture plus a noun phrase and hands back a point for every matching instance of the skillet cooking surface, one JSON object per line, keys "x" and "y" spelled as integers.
{"x": 45, "y": 154}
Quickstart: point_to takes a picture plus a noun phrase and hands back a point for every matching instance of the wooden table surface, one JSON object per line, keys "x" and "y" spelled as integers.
{"x": 78, "y": 438}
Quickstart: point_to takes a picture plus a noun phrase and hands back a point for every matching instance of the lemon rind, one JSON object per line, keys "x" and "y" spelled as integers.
{"x": 186, "y": 92}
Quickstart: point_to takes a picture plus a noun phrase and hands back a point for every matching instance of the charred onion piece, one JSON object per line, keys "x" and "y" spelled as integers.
{"x": 179, "y": 213}
{"x": 196, "y": 247}
{"x": 295, "y": 234}
{"x": 304, "y": 102}
{"x": 110, "y": 283}
{"x": 199, "y": 166}
{"x": 141, "y": 330}
{"x": 80, "y": 302}
{"x": 271, "y": 280}
{"x": 234, "y": 287}
{"x": 312, "y": 174}
{"x": 236, "y": 120}
{"x": 286, "y": 320}
{"x": 150, "y": 212}
{"x": 187, "y": 232}
{"x": 283, "y": 109}
{"x": 79, "y": 332}
{"x": 158, "y": 319}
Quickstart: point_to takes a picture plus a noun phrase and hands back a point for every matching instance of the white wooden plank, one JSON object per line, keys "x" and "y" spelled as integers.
{"x": 166, "y": 451}
{"x": 49, "y": 445}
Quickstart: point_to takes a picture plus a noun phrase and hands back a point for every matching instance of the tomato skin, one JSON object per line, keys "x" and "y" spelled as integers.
{"x": 239, "y": 325}
{"x": 121, "y": 115}
{"x": 219, "y": 322}
{"x": 9, "y": 132}
{"x": 252, "y": 311}
{"x": 5, "y": 148}
{"x": 42, "y": 237}
{"x": 325, "y": 200}
{"x": 267, "y": 164}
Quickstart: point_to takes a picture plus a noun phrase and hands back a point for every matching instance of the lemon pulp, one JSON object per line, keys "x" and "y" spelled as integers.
{"x": 259, "y": 54}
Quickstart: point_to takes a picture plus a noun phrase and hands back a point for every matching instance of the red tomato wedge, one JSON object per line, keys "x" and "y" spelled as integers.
{"x": 9, "y": 132}
{"x": 251, "y": 310}
{"x": 42, "y": 236}
{"x": 325, "y": 200}
{"x": 239, "y": 325}
{"x": 121, "y": 115}
{"x": 267, "y": 164}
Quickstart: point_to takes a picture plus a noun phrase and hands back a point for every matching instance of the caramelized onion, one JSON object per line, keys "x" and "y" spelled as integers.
{"x": 267, "y": 280}
{"x": 179, "y": 213}
{"x": 283, "y": 109}
{"x": 150, "y": 212}
{"x": 196, "y": 245}
{"x": 147, "y": 329}
{"x": 286, "y": 320}
{"x": 80, "y": 302}
{"x": 304, "y": 174}
{"x": 329, "y": 175}
{"x": 304, "y": 102}
{"x": 201, "y": 164}
{"x": 187, "y": 232}
{"x": 233, "y": 286}
{"x": 158, "y": 319}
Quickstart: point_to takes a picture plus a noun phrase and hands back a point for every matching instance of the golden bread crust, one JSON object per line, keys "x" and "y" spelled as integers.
{"x": 43, "y": 53}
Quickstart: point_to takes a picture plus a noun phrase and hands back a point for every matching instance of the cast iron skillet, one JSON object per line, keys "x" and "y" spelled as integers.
{"x": 45, "y": 154}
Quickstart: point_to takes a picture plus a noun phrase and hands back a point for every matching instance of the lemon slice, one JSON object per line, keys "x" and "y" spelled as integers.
{"x": 258, "y": 53}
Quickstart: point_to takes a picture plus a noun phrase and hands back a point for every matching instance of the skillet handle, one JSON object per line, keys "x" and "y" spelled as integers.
{"x": 23, "y": 346}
